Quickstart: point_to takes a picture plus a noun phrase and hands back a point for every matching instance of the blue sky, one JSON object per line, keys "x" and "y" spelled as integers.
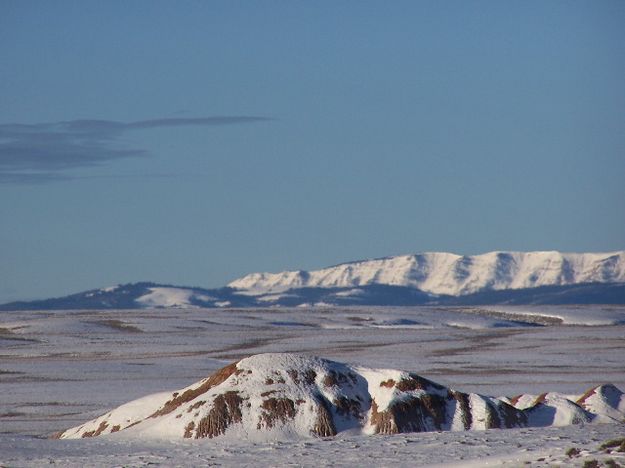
{"x": 193, "y": 142}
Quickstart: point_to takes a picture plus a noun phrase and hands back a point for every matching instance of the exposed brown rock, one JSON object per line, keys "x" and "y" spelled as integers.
{"x": 540, "y": 399}
{"x": 435, "y": 407}
{"x": 382, "y": 421}
{"x": 414, "y": 414}
{"x": 515, "y": 399}
{"x": 416, "y": 382}
{"x": 279, "y": 378}
{"x": 264, "y": 394}
{"x": 115, "y": 428}
{"x": 330, "y": 380}
{"x": 582, "y": 400}
{"x": 334, "y": 378}
{"x": 276, "y": 409}
{"x": 492, "y": 416}
{"x": 103, "y": 425}
{"x": 309, "y": 376}
{"x": 215, "y": 379}
{"x": 390, "y": 383}
{"x": 188, "y": 431}
{"x": 512, "y": 417}
{"x": 225, "y": 411}
{"x": 502, "y": 415}
{"x": 463, "y": 401}
{"x": 133, "y": 424}
{"x": 347, "y": 407}
{"x": 269, "y": 381}
{"x": 324, "y": 424}
{"x": 294, "y": 375}
{"x": 196, "y": 405}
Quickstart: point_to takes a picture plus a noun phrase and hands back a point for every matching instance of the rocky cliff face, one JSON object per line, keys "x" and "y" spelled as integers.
{"x": 285, "y": 395}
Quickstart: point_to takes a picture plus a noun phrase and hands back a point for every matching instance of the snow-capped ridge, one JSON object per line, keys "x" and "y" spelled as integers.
{"x": 451, "y": 274}
{"x": 285, "y": 395}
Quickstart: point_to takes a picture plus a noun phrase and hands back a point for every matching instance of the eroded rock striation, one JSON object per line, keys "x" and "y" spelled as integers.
{"x": 281, "y": 395}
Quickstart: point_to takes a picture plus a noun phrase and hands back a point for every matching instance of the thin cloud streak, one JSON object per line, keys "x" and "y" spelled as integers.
{"x": 40, "y": 153}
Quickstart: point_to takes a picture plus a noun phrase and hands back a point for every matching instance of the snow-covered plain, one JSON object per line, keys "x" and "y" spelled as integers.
{"x": 60, "y": 369}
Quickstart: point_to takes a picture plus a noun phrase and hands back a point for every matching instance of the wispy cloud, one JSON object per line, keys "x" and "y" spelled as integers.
{"x": 43, "y": 152}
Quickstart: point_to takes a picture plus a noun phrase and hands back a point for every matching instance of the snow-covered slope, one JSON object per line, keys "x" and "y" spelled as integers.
{"x": 283, "y": 395}
{"x": 450, "y": 274}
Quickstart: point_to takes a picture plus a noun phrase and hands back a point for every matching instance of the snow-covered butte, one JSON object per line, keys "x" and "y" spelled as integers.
{"x": 451, "y": 274}
{"x": 285, "y": 396}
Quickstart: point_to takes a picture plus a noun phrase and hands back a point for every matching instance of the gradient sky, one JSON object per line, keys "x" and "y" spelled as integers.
{"x": 193, "y": 142}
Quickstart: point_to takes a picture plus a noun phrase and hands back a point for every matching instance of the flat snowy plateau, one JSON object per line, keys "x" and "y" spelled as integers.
{"x": 60, "y": 369}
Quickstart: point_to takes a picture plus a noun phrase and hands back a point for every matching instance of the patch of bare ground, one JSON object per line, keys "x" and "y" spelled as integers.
{"x": 117, "y": 325}
{"x": 7, "y": 372}
{"x": 360, "y": 319}
{"x": 9, "y": 335}
{"x": 542, "y": 370}
{"x": 49, "y": 403}
{"x": 529, "y": 319}
{"x": 215, "y": 379}
{"x": 12, "y": 414}
{"x": 225, "y": 411}
{"x": 22, "y": 378}
{"x": 350, "y": 348}
{"x": 614, "y": 445}
{"x": 482, "y": 342}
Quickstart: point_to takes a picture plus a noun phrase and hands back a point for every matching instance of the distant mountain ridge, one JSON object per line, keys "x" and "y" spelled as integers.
{"x": 423, "y": 279}
{"x": 450, "y": 274}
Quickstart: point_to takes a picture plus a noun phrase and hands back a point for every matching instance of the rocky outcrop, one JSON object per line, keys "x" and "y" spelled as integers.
{"x": 287, "y": 395}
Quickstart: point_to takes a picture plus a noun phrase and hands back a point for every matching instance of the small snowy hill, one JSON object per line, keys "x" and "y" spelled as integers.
{"x": 451, "y": 274}
{"x": 284, "y": 395}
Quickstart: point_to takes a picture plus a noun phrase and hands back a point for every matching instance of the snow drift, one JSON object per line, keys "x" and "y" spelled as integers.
{"x": 282, "y": 395}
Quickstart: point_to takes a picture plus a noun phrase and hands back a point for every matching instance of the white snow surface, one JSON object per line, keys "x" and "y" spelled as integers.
{"x": 451, "y": 274}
